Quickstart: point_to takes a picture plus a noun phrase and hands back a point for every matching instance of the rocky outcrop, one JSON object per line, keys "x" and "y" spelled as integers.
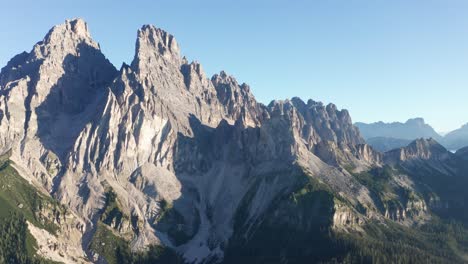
{"x": 344, "y": 218}
{"x": 238, "y": 100}
{"x": 413, "y": 211}
{"x": 421, "y": 149}
{"x": 327, "y": 132}
{"x": 366, "y": 153}
{"x": 51, "y": 248}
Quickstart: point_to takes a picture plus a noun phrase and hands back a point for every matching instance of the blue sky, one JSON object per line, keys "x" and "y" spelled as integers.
{"x": 382, "y": 60}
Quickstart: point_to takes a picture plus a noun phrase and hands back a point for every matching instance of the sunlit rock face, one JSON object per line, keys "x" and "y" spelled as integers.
{"x": 48, "y": 95}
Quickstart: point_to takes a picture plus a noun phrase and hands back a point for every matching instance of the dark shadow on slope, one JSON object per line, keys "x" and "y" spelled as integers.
{"x": 236, "y": 145}
{"x": 19, "y": 68}
{"x": 444, "y": 192}
{"x": 77, "y": 98}
{"x": 296, "y": 227}
{"x": 182, "y": 228}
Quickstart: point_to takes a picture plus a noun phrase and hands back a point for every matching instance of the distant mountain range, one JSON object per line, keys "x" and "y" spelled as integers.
{"x": 384, "y": 144}
{"x": 387, "y": 136}
{"x": 457, "y": 138}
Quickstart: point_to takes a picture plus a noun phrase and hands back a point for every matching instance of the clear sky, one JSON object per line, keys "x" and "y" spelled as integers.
{"x": 386, "y": 60}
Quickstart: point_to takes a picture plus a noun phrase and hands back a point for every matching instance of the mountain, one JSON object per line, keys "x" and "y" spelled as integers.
{"x": 158, "y": 163}
{"x": 410, "y": 130}
{"x": 456, "y": 139}
{"x": 420, "y": 149}
{"x": 387, "y": 136}
{"x": 384, "y": 144}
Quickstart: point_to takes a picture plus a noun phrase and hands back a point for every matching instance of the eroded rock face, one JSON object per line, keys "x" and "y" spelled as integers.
{"x": 410, "y": 212}
{"x": 344, "y": 218}
{"x": 238, "y": 100}
{"x": 421, "y": 149}
{"x": 48, "y": 95}
{"x": 327, "y": 132}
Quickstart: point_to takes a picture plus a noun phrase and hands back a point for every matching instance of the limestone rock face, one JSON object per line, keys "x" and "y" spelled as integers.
{"x": 345, "y": 218}
{"x": 327, "y": 132}
{"x": 159, "y": 71}
{"x": 48, "y": 95}
{"x": 238, "y": 100}
{"x": 421, "y": 149}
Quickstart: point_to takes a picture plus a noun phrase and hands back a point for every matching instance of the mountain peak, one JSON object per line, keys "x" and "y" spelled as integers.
{"x": 66, "y": 38}
{"x": 410, "y": 130}
{"x": 78, "y": 26}
{"x": 419, "y": 149}
{"x": 425, "y": 143}
{"x": 416, "y": 121}
{"x": 75, "y": 28}
{"x": 154, "y": 44}
{"x": 223, "y": 77}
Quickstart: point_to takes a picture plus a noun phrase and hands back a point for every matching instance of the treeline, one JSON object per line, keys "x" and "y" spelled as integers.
{"x": 154, "y": 255}
{"x": 15, "y": 246}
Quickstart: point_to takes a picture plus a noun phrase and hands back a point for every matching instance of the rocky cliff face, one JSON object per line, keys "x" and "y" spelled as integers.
{"x": 327, "y": 132}
{"x": 421, "y": 149}
{"x": 158, "y": 153}
{"x": 48, "y": 95}
{"x": 238, "y": 101}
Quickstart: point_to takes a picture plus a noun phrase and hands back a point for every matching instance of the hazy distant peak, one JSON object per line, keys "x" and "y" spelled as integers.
{"x": 416, "y": 121}
{"x": 457, "y": 139}
{"x": 412, "y": 129}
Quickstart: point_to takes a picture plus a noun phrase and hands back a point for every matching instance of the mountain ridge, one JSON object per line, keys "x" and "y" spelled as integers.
{"x": 387, "y": 136}
{"x": 157, "y": 161}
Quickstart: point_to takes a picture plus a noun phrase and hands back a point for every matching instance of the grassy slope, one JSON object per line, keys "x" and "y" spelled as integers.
{"x": 297, "y": 229}
{"x": 19, "y": 202}
{"x": 115, "y": 249}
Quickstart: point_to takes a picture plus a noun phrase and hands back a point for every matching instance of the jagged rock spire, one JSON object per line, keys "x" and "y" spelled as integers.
{"x": 155, "y": 47}
{"x": 64, "y": 39}
{"x": 238, "y": 100}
